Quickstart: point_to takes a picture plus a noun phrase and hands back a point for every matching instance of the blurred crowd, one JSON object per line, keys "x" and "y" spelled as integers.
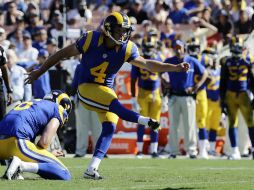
{"x": 31, "y": 31}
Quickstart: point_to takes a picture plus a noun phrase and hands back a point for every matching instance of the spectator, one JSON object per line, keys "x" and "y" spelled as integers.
{"x": 137, "y": 12}
{"x": 21, "y": 92}
{"x": 178, "y": 14}
{"x": 40, "y": 38}
{"x": 73, "y": 18}
{"x": 51, "y": 46}
{"x": 146, "y": 26}
{"x": 201, "y": 30}
{"x": 20, "y": 25}
{"x": 224, "y": 25}
{"x": 85, "y": 12}
{"x": 158, "y": 15}
{"x": 169, "y": 34}
{"x": 12, "y": 13}
{"x": 17, "y": 40}
{"x": 195, "y": 6}
{"x": 31, "y": 11}
{"x": 28, "y": 55}
{"x": 3, "y": 42}
{"x": 55, "y": 5}
{"x": 167, "y": 37}
{"x": 215, "y": 6}
{"x": 34, "y": 23}
{"x": 55, "y": 31}
{"x": 102, "y": 7}
{"x": 206, "y": 14}
{"x": 41, "y": 86}
{"x": 149, "y": 6}
{"x": 243, "y": 25}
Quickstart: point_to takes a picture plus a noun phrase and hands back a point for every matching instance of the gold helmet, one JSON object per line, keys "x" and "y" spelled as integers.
{"x": 193, "y": 46}
{"x": 60, "y": 98}
{"x": 148, "y": 46}
{"x": 236, "y": 45}
{"x": 117, "y": 26}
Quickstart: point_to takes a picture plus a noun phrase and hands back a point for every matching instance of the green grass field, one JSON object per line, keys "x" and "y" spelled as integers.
{"x": 163, "y": 174}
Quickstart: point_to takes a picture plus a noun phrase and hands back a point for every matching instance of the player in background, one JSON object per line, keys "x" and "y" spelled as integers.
{"x": 213, "y": 99}
{"x": 149, "y": 98}
{"x": 103, "y": 54}
{"x": 193, "y": 49}
{"x": 183, "y": 90}
{"x": 236, "y": 79}
{"x": 19, "y": 128}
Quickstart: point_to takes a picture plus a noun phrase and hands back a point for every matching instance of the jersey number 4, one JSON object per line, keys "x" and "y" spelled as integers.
{"x": 99, "y": 72}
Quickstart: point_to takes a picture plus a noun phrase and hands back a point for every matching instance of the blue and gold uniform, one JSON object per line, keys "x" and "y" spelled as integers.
{"x": 237, "y": 84}
{"x": 99, "y": 67}
{"x": 149, "y": 90}
{"x": 214, "y": 111}
{"x": 236, "y": 80}
{"x": 201, "y": 99}
{"x": 149, "y": 100}
{"x": 19, "y": 128}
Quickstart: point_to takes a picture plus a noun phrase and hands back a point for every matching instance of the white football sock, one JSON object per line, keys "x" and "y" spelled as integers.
{"x": 143, "y": 120}
{"x": 154, "y": 147}
{"x": 202, "y": 146}
{"x": 140, "y": 146}
{"x": 29, "y": 167}
{"x": 212, "y": 146}
{"x": 95, "y": 162}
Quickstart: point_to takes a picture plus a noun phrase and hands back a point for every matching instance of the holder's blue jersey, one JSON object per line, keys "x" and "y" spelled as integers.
{"x": 212, "y": 88}
{"x": 28, "y": 119}
{"x": 100, "y": 64}
{"x": 147, "y": 80}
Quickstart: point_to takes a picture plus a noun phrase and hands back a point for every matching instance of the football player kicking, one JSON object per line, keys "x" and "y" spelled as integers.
{"x": 19, "y": 128}
{"x": 103, "y": 54}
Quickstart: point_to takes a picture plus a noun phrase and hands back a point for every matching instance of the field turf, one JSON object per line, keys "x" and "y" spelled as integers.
{"x": 163, "y": 174}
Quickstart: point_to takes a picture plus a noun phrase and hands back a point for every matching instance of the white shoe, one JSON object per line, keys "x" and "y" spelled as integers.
{"x": 13, "y": 171}
{"x": 92, "y": 174}
{"x": 235, "y": 155}
{"x": 203, "y": 155}
{"x": 139, "y": 155}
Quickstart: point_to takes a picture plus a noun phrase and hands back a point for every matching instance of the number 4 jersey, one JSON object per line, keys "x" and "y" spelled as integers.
{"x": 99, "y": 64}
{"x": 28, "y": 119}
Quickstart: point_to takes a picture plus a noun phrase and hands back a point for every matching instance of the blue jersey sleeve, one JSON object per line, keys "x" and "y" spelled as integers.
{"x": 83, "y": 43}
{"x": 131, "y": 52}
